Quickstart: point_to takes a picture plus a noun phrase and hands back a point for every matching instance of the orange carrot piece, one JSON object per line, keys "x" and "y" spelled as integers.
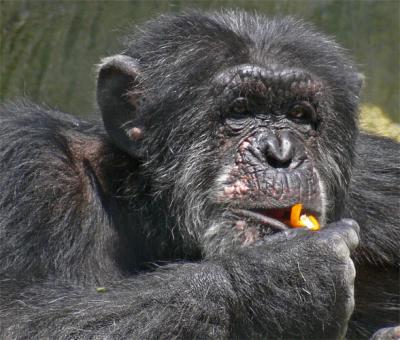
{"x": 295, "y": 216}
{"x": 315, "y": 223}
{"x": 297, "y": 220}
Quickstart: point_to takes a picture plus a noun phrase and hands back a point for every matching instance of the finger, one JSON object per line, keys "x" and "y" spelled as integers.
{"x": 347, "y": 229}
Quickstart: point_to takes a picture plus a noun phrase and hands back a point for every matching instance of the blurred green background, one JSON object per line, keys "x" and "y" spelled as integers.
{"x": 49, "y": 48}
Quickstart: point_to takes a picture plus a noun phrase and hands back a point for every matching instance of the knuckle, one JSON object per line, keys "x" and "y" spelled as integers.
{"x": 350, "y": 304}
{"x": 352, "y": 223}
{"x": 350, "y": 272}
{"x": 341, "y": 250}
{"x": 325, "y": 240}
{"x": 336, "y": 238}
{"x": 339, "y": 237}
{"x": 353, "y": 238}
{"x": 352, "y": 267}
{"x": 337, "y": 245}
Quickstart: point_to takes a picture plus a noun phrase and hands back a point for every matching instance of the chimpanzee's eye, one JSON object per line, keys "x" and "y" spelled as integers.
{"x": 238, "y": 108}
{"x": 302, "y": 111}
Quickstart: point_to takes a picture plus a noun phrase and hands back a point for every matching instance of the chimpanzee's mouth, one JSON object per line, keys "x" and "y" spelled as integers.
{"x": 277, "y": 219}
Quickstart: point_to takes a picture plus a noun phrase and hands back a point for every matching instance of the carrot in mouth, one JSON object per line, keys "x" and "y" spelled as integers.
{"x": 298, "y": 220}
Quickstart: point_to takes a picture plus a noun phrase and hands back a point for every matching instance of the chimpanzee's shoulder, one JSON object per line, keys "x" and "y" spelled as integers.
{"x": 373, "y": 197}
{"x": 27, "y": 115}
{"x": 50, "y": 166}
{"x": 38, "y": 140}
{"x": 369, "y": 143}
{"x": 378, "y": 159}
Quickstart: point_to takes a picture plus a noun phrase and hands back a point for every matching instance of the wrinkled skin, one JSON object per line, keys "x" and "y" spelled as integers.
{"x": 268, "y": 143}
{"x": 178, "y": 203}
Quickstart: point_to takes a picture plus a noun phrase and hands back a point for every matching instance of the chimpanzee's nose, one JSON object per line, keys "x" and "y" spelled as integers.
{"x": 278, "y": 149}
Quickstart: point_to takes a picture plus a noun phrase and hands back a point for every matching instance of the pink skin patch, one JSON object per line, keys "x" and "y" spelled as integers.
{"x": 236, "y": 189}
{"x": 240, "y": 187}
{"x": 250, "y": 235}
{"x": 240, "y": 225}
{"x": 309, "y": 88}
{"x": 244, "y": 146}
{"x": 135, "y": 133}
{"x": 247, "y": 235}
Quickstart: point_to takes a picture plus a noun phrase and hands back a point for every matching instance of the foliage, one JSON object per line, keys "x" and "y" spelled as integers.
{"x": 374, "y": 119}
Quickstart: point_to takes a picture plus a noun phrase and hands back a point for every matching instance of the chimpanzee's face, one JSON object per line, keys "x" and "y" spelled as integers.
{"x": 269, "y": 120}
{"x": 246, "y": 149}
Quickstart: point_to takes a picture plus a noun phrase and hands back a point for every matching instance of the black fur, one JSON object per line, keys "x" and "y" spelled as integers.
{"x": 78, "y": 212}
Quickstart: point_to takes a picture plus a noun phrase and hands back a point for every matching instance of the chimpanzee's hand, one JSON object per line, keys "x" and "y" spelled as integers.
{"x": 300, "y": 283}
{"x": 390, "y": 333}
{"x": 327, "y": 253}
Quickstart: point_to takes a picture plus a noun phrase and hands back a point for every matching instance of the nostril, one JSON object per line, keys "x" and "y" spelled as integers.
{"x": 278, "y": 149}
{"x": 279, "y": 155}
{"x": 278, "y": 163}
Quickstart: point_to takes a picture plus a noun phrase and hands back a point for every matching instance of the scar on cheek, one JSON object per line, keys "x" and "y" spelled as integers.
{"x": 250, "y": 235}
{"x": 229, "y": 190}
{"x": 244, "y": 146}
{"x": 239, "y": 159}
{"x": 238, "y": 188}
{"x": 240, "y": 225}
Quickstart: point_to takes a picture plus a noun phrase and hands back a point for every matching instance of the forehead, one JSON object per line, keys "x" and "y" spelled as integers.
{"x": 252, "y": 80}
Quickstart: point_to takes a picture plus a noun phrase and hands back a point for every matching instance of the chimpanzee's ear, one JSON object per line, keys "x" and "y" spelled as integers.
{"x": 118, "y": 101}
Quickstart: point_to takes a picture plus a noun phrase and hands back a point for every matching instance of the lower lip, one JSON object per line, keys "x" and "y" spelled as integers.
{"x": 271, "y": 222}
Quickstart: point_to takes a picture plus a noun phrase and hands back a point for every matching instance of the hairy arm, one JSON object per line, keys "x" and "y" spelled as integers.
{"x": 374, "y": 199}
{"x": 259, "y": 291}
{"x": 373, "y": 202}
{"x": 183, "y": 301}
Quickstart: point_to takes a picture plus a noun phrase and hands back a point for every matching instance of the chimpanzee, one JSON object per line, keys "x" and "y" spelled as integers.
{"x": 170, "y": 220}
